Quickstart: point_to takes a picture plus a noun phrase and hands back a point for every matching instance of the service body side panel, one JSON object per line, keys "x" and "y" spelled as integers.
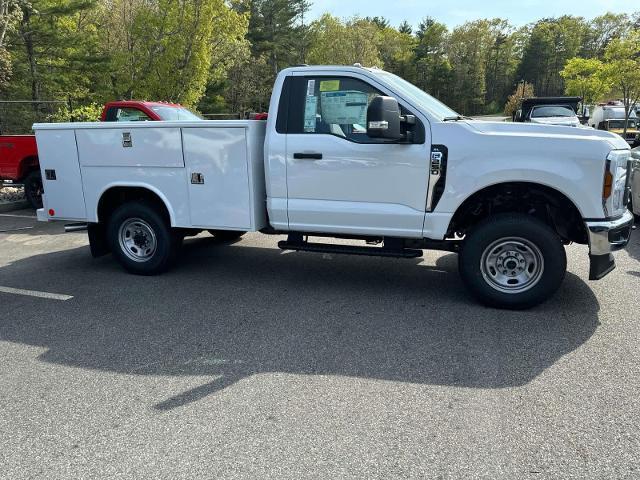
{"x": 61, "y": 177}
{"x": 218, "y": 159}
{"x": 130, "y": 146}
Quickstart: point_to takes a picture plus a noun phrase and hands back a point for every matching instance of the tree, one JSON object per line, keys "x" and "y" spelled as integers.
{"x": 169, "y": 49}
{"x": 405, "y": 27}
{"x": 433, "y": 69}
{"x": 54, "y": 48}
{"x": 277, "y": 30}
{"x": 334, "y": 42}
{"x": 514, "y": 102}
{"x": 551, "y": 42}
{"x": 622, "y": 64}
{"x": 583, "y": 78}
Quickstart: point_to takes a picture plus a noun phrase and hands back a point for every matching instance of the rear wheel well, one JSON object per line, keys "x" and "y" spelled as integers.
{"x": 542, "y": 202}
{"x": 116, "y": 196}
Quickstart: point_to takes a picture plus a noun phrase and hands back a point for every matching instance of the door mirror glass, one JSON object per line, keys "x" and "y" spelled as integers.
{"x": 383, "y": 118}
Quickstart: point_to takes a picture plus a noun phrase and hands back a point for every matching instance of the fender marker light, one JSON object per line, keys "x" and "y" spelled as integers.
{"x": 52, "y": 212}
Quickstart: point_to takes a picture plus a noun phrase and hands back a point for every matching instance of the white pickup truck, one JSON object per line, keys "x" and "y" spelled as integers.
{"x": 351, "y": 153}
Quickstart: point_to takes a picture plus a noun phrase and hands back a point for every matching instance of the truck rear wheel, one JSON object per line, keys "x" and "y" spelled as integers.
{"x": 141, "y": 239}
{"x": 512, "y": 261}
{"x": 33, "y": 189}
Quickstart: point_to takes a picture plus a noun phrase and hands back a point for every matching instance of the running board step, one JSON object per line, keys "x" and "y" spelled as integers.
{"x": 350, "y": 250}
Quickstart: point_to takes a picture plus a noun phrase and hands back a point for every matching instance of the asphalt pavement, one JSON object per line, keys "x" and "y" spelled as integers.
{"x": 248, "y": 362}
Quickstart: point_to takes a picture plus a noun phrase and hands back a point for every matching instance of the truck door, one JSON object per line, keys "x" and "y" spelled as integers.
{"x": 339, "y": 180}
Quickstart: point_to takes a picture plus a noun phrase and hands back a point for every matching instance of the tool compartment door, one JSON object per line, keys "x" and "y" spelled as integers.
{"x": 218, "y": 177}
{"x": 61, "y": 178}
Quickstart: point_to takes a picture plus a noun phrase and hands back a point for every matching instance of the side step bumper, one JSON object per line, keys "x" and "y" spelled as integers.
{"x": 350, "y": 249}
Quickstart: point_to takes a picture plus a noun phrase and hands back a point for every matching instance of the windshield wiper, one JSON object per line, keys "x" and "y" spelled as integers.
{"x": 457, "y": 118}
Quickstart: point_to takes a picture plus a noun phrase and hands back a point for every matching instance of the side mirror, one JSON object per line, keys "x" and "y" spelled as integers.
{"x": 383, "y": 119}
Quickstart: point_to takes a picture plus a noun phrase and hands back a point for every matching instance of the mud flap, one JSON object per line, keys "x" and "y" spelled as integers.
{"x": 98, "y": 239}
{"x": 600, "y": 266}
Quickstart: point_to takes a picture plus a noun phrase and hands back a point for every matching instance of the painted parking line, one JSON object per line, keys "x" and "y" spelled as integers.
{"x": 11, "y": 215}
{"x": 35, "y": 293}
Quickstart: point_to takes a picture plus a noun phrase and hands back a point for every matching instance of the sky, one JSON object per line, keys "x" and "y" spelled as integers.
{"x": 456, "y": 12}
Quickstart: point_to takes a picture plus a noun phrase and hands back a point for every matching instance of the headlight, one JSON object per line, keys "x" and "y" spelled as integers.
{"x": 616, "y": 185}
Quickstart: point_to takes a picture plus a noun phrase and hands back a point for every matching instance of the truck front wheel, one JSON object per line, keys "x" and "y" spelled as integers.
{"x": 512, "y": 261}
{"x": 141, "y": 239}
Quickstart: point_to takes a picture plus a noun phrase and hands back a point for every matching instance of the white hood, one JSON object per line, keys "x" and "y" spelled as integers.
{"x": 545, "y": 130}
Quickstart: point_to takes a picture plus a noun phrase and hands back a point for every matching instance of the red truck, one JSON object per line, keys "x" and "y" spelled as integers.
{"x": 19, "y": 154}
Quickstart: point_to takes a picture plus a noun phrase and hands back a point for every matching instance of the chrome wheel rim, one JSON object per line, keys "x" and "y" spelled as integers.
{"x": 137, "y": 240}
{"x": 512, "y": 265}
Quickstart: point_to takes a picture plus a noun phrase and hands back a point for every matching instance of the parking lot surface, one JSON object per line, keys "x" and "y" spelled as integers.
{"x": 247, "y": 362}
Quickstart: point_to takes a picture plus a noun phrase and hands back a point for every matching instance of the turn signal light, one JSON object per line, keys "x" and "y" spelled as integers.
{"x": 608, "y": 185}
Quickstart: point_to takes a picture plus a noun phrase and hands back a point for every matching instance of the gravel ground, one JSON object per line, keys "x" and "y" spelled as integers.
{"x": 11, "y": 194}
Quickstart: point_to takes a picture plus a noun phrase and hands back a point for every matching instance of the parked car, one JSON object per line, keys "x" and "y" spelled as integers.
{"x": 549, "y": 111}
{"x": 19, "y": 154}
{"x": 357, "y": 153}
{"x": 634, "y": 204}
{"x": 610, "y": 117}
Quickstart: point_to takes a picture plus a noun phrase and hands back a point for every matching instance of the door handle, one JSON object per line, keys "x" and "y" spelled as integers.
{"x": 307, "y": 156}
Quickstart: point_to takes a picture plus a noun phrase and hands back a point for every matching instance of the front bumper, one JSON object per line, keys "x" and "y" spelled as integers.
{"x": 605, "y": 237}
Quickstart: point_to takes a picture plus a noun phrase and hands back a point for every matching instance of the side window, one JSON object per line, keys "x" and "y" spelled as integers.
{"x": 331, "y": 105}
{"x": 127, "y": 114}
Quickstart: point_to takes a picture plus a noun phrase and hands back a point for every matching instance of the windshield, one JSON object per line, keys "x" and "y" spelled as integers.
{"x": 552, "y": 111}
{"x": 421, "y": 98}
{"x": 620, "y": 124}
{"x": 174, "y": 113}
{"x": 617, "y": 113}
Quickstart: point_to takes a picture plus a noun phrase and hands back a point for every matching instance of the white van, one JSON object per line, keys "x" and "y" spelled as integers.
{"x": 610, "y": 117}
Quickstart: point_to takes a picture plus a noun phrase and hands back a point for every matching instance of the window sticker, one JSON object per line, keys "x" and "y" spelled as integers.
{"x": 310, "y": 109}
{"x": 344, "y": 107}
{"x": 329, "y": 85}
{"x": 311, "y": 87}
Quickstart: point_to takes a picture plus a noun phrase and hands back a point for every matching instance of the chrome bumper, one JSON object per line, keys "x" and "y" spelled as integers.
{"x": 605, "y": 237}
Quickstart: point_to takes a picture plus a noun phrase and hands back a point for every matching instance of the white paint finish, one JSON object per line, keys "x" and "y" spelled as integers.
{"x": 366, "y": 218}
{"x": 357, "y": 188}
{"x": 151, "y": 147}
{"x": 36, "y": 293}
{"x": 255, "y": 133}
{"x": 168, "y": 183}
{"x": 57, "y": 150}
{"x": 275, "y": 148}
{"x": 220, "y": 155}
{"x": 569, "y": 160}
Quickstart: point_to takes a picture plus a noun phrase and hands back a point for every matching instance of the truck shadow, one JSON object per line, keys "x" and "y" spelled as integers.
{"x": 233, "y": 312}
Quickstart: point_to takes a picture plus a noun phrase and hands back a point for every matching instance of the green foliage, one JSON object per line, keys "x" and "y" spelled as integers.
{"x": 514, "y": 102}
{"x": 164, "y": 49}
{"x": 334, "y": 42}
{"x": 621, "y": 67}
{"x": 85, "y": 113}
{"x": 583, "y": 78}
{"x": 222, "y": 55}
{"x": 550, "y": 44}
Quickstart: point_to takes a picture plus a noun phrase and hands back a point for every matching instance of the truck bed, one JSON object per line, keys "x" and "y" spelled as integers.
{"x": 209, "y": 174}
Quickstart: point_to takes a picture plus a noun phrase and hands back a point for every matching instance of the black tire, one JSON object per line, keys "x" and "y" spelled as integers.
{"x": 226, "y": 235}
{"x": 137, "y": 229}
{"x": 33, "y": 189}
{"x": 512, "y": 241}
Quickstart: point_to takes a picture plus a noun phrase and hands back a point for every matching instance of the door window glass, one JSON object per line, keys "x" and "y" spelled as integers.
{"x": 334, "y": 106}
{"x": 126, "y": 114}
